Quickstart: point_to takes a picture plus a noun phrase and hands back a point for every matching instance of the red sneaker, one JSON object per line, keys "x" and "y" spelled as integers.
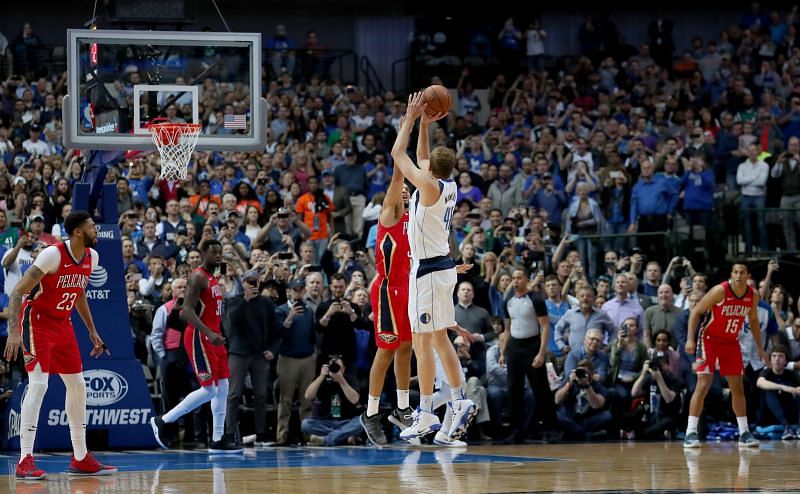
{"x": 89, "y": 466}
{"x": 27, "y": 470}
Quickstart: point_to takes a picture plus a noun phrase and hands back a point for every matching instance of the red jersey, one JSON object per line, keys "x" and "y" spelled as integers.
{"x": 210, "y": 306}
{"x": 728, "y": 316}
{"x": 392, "y": 252}
{"x": 56, "y": 294}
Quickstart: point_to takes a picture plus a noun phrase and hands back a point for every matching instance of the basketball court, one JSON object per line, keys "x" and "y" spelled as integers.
{"x": 608, "y": 467}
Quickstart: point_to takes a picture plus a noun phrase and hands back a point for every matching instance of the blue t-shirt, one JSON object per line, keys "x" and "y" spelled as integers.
{"x": 139, "y": 188}
{"x": 555, "y": 313}
{"x": 380, "y": 181}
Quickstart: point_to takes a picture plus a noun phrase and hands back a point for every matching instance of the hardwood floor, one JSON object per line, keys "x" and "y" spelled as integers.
{"x": 607, "y": 467}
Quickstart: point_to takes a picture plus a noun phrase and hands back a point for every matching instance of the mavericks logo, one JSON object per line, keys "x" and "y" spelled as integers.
{"x": 99, "y": 276}
{"x": 425, "y": 318}
{"x": 104, "y": 387}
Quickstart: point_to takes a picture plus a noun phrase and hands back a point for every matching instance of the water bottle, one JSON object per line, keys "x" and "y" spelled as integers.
{"x": 655, "y": 400}
{"x": 336, "y": 407}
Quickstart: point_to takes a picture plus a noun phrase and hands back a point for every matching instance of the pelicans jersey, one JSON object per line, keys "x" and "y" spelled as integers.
{"x": 433, "y": 273}
{"x": 389, "y": 289}
{"x": 209, "y": 361}
{"x": 45, "y": 326}
{"x": 718, "y": 346}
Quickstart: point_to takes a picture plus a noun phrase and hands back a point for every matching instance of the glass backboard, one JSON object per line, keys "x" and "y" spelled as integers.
{"x": 119, "y": 81}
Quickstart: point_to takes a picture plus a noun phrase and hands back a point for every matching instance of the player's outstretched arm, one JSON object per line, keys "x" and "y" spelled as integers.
{"x": 82, "y": 306}
{"x": 194, "y": 287}
{"x": 423, "y": 145}
{"x": 420, "y": 178}
{"x": 30, "y": 279}
{"x": 713, "y": 297}
{"x": 393, "y": 208}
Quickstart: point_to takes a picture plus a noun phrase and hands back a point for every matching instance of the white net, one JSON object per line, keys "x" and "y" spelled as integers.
{"x": 175, "y": 143}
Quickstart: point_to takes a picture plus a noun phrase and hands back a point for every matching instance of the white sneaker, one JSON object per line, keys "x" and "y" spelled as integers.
{"x": 423, "y": 423}
{"x": 464, "y": 412}
{"x": 441, "y": 439}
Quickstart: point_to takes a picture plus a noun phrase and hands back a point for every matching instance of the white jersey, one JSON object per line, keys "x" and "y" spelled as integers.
{"x": 429, "y": 227}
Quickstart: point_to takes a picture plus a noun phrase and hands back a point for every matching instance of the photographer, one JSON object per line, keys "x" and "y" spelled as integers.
{"x": 335, "y": 421}
{"x": 660, "y": 391}
{"x": 582, "y": 411}
{"x": 252, "y": 335}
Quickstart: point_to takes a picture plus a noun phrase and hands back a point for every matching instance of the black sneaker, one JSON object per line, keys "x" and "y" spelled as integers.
{"x": 161, "y": 432}
{"x": 263, "y": 441}
{"x": 225, "y": 446}
{"x": 402, "y": 418}
{"x": 372, "y": 426}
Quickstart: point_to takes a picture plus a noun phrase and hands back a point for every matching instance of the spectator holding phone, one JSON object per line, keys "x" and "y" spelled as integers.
{"x": 296, "y": 364}
{"x": 17, "y": 259}
{"x": 252, "y": 337}
{"x": 282, "y": 233}
{"x": 316, "y": 210}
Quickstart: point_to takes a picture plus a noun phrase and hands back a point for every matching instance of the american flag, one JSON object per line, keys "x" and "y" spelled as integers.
{"x": 235, "y": 122}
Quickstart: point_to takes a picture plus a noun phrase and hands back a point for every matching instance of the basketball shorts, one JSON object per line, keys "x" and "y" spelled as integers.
{"x": 715, "y": 354}
{"x": 390, "y": 313}
{"x": 209, "y": 361}
{"x": 48, "y": 342}
{"x": 430, "y": 296}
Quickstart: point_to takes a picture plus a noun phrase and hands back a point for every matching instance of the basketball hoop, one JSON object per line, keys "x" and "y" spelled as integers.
{"x": 175, "y": 143}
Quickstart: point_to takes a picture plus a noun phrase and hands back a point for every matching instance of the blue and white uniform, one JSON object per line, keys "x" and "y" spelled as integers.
{"x": 433, "y": 272}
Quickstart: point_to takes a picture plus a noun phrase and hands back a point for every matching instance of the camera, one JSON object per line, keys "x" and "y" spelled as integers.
{"x": 333, "y": 365}
{"x": 581, "y": 373}
{"x": 655, "y": 362}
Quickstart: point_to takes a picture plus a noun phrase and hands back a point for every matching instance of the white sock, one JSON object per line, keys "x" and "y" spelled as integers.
{"x": 441, "y": 396}
{"x": 372, "y": 405}
{"x": 76, "y": 412}
{"x": 426, "y": 403}
{"x": 193, "y": 400}
{"x": 691, "y": 425}
{"x": 457, "y": 393}
{"x": 218, "y": 408}
{"x": 742, "y": 421}
{"x": 402, "y": 399}
{"x": 31, "y": 403}
{"x": 447, "y": 421}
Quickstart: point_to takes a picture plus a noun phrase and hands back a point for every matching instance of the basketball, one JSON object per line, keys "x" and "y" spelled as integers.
{"x": 438, "y": 99}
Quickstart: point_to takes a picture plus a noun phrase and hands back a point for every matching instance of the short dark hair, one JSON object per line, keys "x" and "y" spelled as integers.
{"x": 740, "y": 262}
{"x": 337, "y": 276}
{"x": 780, "y": 349}
{"x": 551, "y": 277}
{"x": 658, "y": 332}
{"x": 586, "y": 364}
{"x": 207, "y": 244}
{"x": 74, "y": 220}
